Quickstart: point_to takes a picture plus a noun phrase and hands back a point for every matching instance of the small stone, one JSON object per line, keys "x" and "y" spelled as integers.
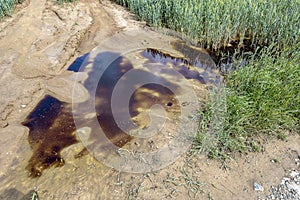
{"x": 295, "y": 187}
{"x": 23, "y": 106}
{"x": 258, "y": 187}
{"x": 294, "y": 173}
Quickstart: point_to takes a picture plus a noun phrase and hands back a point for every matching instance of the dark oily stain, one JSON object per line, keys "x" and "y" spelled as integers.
{"x": 52, "y": 125}
{"x": 51, "y": 128}
{"x": 142, "y": 99}
{"x": 181, "y": 65}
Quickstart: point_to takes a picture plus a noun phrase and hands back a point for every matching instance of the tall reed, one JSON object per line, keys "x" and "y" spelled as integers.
{"x": 215, "y": 23}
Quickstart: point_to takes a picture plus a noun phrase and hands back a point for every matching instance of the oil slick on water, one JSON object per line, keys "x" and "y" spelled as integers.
{"x": 51, "y": 123}
{"x": 51, "y": 128}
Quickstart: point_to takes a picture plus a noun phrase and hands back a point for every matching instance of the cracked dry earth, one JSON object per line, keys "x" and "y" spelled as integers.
{"x": 37, "y": 44}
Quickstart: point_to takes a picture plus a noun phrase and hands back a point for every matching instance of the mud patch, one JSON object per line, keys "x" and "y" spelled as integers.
{"x": 51, "y": 123}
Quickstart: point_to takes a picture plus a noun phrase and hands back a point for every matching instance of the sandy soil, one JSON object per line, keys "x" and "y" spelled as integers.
{"x": 37, "y": 44}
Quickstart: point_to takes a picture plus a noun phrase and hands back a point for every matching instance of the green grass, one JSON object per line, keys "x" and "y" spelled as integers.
{"x": 6, "y": 7}
{"x": 215, "y": 23}
{"x": 262, "y": 100}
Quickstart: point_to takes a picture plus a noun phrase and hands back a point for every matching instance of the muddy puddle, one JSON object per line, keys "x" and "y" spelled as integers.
{"x": 153, "y": 82}
{"x": 139, "y": 97}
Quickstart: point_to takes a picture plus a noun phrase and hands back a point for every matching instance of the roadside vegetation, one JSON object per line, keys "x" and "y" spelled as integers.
{"x": 262, "y": 102}
{"x": 257, "y": 42}
{"x": 6, "y": 7}
{"x": 217, "y": 23}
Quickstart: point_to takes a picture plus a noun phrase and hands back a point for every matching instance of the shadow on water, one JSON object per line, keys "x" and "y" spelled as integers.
{"x": 103, "y": 96}
{"x": 75, "y": 66}
{"x": 181, "y": 65}
{"x": 51, "y": 123}
{"x": 142, "y": 99}
{"x": 197, "y": 57}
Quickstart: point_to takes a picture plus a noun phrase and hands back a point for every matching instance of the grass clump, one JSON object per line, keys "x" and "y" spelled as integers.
{"x": 262, "y": 98}
{"x": 6, "y": 7}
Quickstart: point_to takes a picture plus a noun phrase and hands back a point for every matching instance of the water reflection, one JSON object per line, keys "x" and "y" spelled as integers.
{"x": 51, "y": 123}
